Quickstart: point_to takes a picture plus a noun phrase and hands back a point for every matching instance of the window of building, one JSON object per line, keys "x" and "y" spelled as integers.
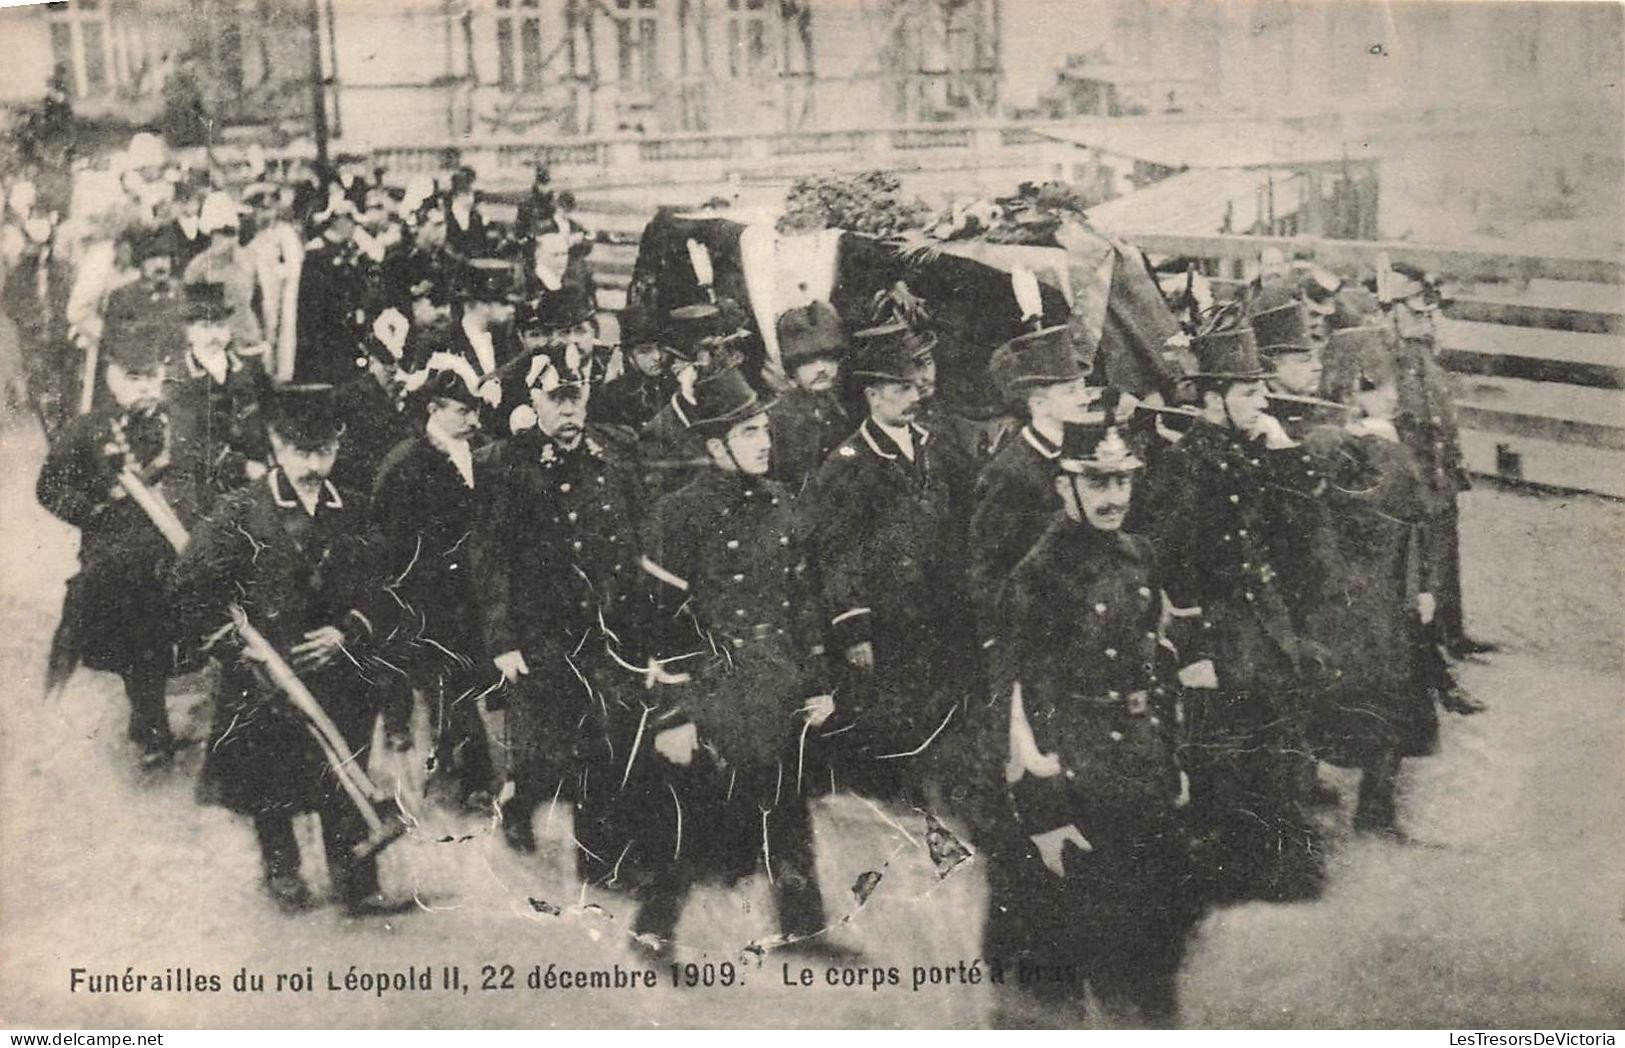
{"x": 747, "y": 38}
{"x": 519, "y": 43}
{"x": 637, "y": 24}
{"x": 79, "y": 45}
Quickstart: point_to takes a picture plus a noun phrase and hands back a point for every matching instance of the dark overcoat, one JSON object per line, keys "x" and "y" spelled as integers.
{"x": 290, "y": 572}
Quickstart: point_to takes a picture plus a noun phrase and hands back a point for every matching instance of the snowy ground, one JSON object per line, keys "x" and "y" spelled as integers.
{"x": 1511, "y": 914}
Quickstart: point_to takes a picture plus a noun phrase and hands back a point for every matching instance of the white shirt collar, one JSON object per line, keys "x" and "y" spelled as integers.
{"x": 483, "y": 344}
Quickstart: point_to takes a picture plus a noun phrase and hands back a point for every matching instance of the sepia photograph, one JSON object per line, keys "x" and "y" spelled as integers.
{"x": 812, "y": 514}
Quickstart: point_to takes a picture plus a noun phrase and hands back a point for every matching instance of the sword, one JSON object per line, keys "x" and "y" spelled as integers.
{"x": 381, "y": 812}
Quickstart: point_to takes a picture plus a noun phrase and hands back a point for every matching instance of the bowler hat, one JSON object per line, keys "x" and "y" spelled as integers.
{"x": 206, "y": 302}
{"x": 305, "y": 414}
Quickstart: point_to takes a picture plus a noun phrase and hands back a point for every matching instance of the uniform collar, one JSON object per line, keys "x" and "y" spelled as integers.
{"x": 283, "y": 495}
{"x": 1040, "y": 443}
{"x": 881, "y": 443}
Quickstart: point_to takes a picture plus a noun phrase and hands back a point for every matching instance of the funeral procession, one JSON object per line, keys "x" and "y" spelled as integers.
{"x": 1019, "y": 525}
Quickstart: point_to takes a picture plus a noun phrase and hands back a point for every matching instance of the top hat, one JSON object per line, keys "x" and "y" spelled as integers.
{"x": 718, "y": 402}
{"x": 206, "y": 302}
{"x": 1095, "y": 447}
{"x": 490, "y": 280}
{"x": 1282, "y": 330}
{"x": 557, "y": 310}
{"x": 888, "y": 353}
{"x": 808, "y": 333}
{"x": 305, "y": 414}
{"x": 1040, "y": 358}
{"x": 1355, "y": 358}
{"x": 1228, "y": 354}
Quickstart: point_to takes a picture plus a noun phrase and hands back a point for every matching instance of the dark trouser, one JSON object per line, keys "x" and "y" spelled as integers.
{"x": 1247, "y": 777}
{"x": 461, "y": 746}
{"x": 1445, "y": 545}
{"x": 342, "y": 829}
{"x": 144, "y": 686}
{"x": 1377, "y": 808}
{"x": 796, "y": 892}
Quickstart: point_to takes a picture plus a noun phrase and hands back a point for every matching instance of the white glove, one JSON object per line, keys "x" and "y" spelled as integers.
{"x": 1051, "y": 844}
{"x": 818, "y": 709}
{"x": 1425, "y": 607}
{"x": 678, "y": 744}
{"x": 1199, "y": 675}
{"x": 512, "y": 665}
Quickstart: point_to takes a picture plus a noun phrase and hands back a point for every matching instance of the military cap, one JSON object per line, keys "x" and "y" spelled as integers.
{"x": 1095, "y": 447}
{"x": 719, "y": 401}
{"x": 1039, "y": 358}
{"x": 888, "y": 353}
{"x": 1228, "y": 354}
{"x": 305, "y": 414}
{"x": 1282, "y": 330}
{"x": 206, "y": 302}
{"x": 638, "y": 327}
{"x": 561, "y": 364}
{"x": 1318, "y": 287}
{"x": 1356, "y": 358}
{"x": 490, "y": 280}
{"x": 808, "y": 333}
{"x": 447, "y": 384}
{"x": 557, "y": 310}
{"x": 688, "y": 326}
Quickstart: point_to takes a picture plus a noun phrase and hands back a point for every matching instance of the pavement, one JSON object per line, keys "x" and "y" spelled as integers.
{"x": 1508, "y": 912}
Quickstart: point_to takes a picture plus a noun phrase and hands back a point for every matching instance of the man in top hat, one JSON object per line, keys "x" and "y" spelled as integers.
{"x": 1090, "y": 872}
{"x": 1042, "y": 373}
{"x": 554, "y": 554}
{"x": 1282, "y": 333}
{"x": 888, "y": 546}
{"x": 424, "y": 503}
{"x": 810, "y": 421}
{"x": 646, "y": 384}
{"x": 295, "y": 553}
{"x": 113, "y": 609}
{"x": 1427, "y": 422}
{"x": 736, "y": 617}
{"x": 214, "y": 404}
{"x": 1214, "y": 505}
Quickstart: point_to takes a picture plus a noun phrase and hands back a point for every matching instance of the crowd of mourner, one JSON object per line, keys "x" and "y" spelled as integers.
{"x": 363, "y": 453}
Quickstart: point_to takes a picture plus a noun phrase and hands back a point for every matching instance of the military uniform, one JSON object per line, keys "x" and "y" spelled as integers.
{"x": 555, "y": 566}
{"x": 727, "y": 566}
{"x": 888, "y": 540}
{"x": 1217, "y": 506}
{"x": 325, "y": 323}
{"x": 1081, "y": 612}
